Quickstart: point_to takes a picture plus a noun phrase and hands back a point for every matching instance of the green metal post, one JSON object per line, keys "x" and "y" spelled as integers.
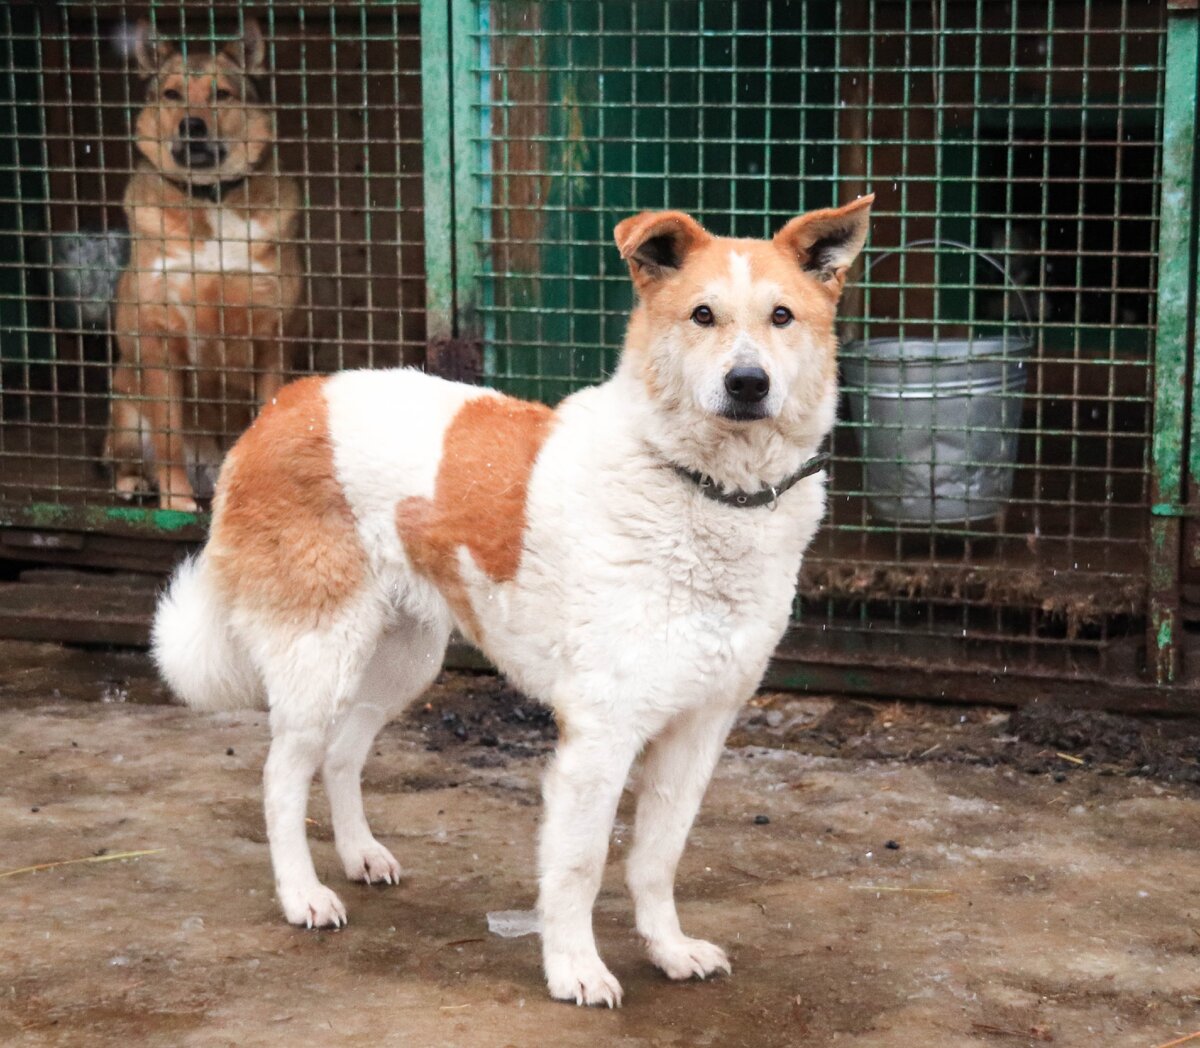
{"x": 1172, "y": 350}
{"x": 438, "y": 172}
{"x": 468, "y": 51}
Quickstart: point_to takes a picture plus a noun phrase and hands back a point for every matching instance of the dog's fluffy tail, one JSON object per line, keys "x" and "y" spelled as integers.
{"x": 194, "y": 647}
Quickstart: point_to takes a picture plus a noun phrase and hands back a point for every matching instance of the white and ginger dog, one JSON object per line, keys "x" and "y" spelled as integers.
{"x": 628, "y": 558}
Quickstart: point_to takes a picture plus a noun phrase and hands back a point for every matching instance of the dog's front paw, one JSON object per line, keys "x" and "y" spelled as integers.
{"x": 179, "y": 503}
{"x": 131, "y": 486}
{"x": 688, "y": 958}
{"x": 314, "y": 907}
{"x": 371, "y": 864}
{"x": 584, "y": 980}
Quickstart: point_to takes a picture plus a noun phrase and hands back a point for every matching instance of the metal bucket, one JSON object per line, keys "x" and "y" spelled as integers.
{"x": 937, "y": 421}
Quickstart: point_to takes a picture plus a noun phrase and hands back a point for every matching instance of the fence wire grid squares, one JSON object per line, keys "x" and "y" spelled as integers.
{"x": 1015, "y": 150}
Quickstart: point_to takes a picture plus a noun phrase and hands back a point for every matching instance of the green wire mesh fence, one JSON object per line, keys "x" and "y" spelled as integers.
{"x": 125, "y": 257}
{"x": 455, "y": 170}
{"x": 1029, "y": 134}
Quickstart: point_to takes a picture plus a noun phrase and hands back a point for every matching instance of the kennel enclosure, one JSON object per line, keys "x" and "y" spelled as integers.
{"x": 462, "y": 164}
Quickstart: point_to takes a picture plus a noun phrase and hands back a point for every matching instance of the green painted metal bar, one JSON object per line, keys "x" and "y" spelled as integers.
{"x": 471, "y": 149}
{"x": 1192, "y": 494}
{"x": 116, "y": 520}
{"x": 438, "y": 125}
{"x": 1176, "y": 290}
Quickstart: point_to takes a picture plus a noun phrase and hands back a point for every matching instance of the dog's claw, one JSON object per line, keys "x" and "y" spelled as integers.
{"x": 689, "y": 958}
{"x": 586, "y": 981}
{"x": 312, "y": 907}
{"x": 370, "y": 863}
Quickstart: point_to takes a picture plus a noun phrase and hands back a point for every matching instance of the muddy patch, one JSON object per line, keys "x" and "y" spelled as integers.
{"x": 1168, "y": 750}
{"x": 471, "y": 714}
{"x": 1037, "y": 739}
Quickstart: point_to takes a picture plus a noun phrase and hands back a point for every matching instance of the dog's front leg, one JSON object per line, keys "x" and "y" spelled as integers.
{"x": 675, "y": 772}
{"x": 270, "y": 366}
{"x": 581, "y": 791}
{"x": 164, "y": 392}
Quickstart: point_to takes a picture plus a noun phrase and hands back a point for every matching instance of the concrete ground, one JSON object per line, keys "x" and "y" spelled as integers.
{"x": 882, "y": 875}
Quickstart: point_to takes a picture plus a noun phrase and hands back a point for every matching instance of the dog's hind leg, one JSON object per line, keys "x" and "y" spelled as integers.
{"x": 675, "y": 772}
{"x": 296, "y": 751}
{"x": 310, "y": 678}
{"x": 403, "y": 666}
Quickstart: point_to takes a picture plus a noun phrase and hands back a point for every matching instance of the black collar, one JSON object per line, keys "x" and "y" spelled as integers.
{"x": 213, "y": 192}
{"x": 768, "y": 496}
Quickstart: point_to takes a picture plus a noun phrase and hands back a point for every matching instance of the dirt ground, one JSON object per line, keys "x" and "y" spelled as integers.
{"x": 884, "y": 875}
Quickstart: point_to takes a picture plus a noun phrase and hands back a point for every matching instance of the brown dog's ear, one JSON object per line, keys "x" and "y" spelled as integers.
{"x": 249, "y": 52}
{"x": 655, "y": 243}
{"x": 149, "y": 49}
{"x": 826, "y": 242}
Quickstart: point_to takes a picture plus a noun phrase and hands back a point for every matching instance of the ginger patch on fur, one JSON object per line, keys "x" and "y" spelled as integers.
{"x": 479, "y": 497}
{"x": 284, "y": 536}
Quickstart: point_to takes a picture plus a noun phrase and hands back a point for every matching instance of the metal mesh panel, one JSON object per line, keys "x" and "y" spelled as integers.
{"x": 1016, "y": 150}
{"x": 1027, "y": 132}
{"x": 309, "y": 257}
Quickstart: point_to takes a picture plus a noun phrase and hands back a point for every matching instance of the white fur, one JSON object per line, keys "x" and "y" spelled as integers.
{"x": 642, "y": 612}
{"x": 194, "y": 649}
{"x": 229, "y": 251}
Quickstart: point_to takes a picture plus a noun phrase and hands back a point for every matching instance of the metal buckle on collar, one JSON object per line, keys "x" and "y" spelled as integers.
{"x": 773, "y": 505}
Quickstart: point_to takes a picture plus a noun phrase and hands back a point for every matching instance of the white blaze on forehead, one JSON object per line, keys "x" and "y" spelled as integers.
{"x": 741, "y": 286}
{"x": 733, "y": 285}
{"x": 739, "y": 272}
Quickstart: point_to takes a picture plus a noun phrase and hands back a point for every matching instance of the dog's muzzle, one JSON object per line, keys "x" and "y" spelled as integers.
{"x": 746, "y": 388}
{"x": 193, "y": 148}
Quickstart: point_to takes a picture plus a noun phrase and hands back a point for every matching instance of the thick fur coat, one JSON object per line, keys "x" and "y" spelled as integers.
{"x": 206, "y": 306}
{"x": 365, "y": 515}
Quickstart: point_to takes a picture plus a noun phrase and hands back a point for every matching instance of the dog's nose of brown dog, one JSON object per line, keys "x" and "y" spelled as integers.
{"x": 747, "y": 385}
{"x": 193, "y": 127}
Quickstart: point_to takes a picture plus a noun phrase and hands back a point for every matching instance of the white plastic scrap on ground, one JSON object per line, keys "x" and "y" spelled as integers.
{"x": 512, "y": 924}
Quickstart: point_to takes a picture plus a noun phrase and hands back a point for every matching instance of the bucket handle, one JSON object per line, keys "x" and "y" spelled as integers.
{"x": 989, "y": 259}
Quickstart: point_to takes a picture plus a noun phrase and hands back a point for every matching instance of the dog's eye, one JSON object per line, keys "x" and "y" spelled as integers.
{"x": 222, "y": 95}
{"x": 171, "y": 95}
{"x": 782, "y": 316}
{"x": 703, "y": 316}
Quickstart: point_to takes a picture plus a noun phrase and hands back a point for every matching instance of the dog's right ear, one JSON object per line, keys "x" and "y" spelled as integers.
{"x": 249, "y": 52}
{"x": 655, "y": 243}
{"x": 149, "y": 49}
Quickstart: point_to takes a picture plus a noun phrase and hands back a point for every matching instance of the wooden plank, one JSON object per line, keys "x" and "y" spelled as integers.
{"x": 69, "y": 612}
{"x": 120, "y": 552}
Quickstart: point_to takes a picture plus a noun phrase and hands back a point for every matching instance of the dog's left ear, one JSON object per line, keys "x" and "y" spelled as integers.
{"x": 250, "y": 52}
{"x": 826, "y": 243}
{"x": 655, "y": 243}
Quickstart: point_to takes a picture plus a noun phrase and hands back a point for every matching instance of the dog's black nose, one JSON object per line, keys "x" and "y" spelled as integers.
{"x": 193, "y": 127}
{"x": 747, "y": 385}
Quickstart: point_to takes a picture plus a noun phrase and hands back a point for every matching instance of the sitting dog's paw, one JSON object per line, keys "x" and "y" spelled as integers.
{"x": 131, "y": 487}
{"x": 178, "y": 503}
{"x": 315, "y": 907}
{"x": 688, "y": 958}
{"x": 584, "y": 980}
{"x": 371, "y": 864}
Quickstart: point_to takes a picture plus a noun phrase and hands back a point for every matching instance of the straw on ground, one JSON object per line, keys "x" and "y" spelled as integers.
{"x": 73, "y": 862}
